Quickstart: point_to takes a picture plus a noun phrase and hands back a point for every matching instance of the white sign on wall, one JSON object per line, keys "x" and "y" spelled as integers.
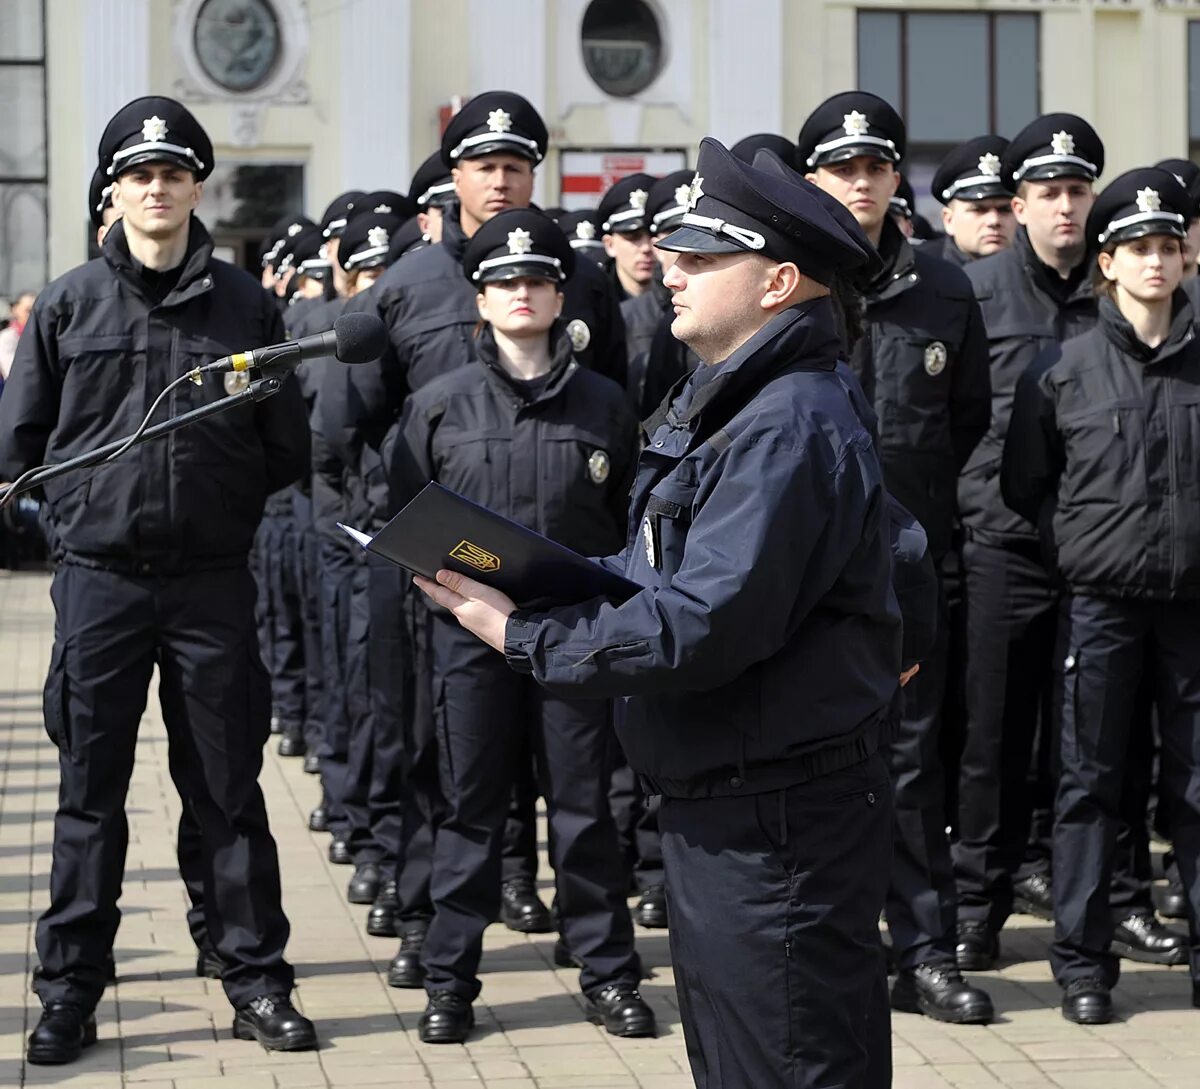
{"x": 587, "y": 175}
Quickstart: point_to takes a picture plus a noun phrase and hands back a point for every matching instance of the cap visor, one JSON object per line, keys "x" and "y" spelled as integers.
{"x": 498, "y": 147}
{"x": 1054, "y": 171}
{"x": 856, "y": 151}
{"x": 1144, "y": 230}
{"x": 983, "y": 192}
{"x": 518, "y": 272}
{"x": 695, "y": 240}
{"x": 154, "y": 157}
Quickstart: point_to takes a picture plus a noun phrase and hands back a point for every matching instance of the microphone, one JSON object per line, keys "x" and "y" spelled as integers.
{"x": 354, "y": 338}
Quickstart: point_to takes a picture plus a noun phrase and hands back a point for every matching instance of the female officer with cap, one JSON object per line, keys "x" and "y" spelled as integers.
{"x": 524, "y": 430}
{"x": 1101, "y": 455}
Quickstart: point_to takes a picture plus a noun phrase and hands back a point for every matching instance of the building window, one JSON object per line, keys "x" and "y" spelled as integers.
{"x": 622, "y": 46}
{"x": 1193, "y": 47}
{"x": 952, "y": 76}
{"x": 23, "y": 171}
{"x": 242, "y": 201}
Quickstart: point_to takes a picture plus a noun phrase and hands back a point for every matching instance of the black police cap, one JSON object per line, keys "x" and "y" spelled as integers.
{"x": 1055, "y": 145}
{"x": 749, "y": 146}
{"x": 334, "y": 219}
{"x": 736, "y": 207}
{"x": 518, "y": 242}
{"x": 367, "y": 239}
{"x": 1187, "y": 173}
{"x": 432, "y": 186}
{"x": 279, "y": 237}
{"x": 1139, "y": 203}
{"x": 304, "y": 247}
{"x": 623, "y": 208}
{"x": 847, "y": 125}
{"x": 971, "y": 171}
{"x": 408, "y": 239}
{"x": 155, "y": 129}
{"x": 582, "y": 230}
{"x": 669, "y": 200}
{"x": 904, "y": 201}
{"x": 495, "y": 121}
{"x": 99, "y": 197}
{"x": 386, "y": 202}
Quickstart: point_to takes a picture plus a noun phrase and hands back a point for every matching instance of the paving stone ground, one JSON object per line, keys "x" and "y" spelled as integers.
{"x": 162, "y": 1028}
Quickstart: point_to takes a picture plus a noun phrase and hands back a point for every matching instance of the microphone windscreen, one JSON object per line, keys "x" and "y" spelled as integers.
{"x": 361, "y": 337}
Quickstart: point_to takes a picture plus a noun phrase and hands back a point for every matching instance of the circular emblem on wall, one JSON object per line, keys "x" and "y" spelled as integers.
{"x": 237, "y": 42}
{"x": 935, "y": 359}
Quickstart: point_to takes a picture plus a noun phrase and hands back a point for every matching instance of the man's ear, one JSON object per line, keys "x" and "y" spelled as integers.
{"x": 783, "y": 281}
{"x": 947, "y": 220}
{"x": 608, "y": 246}
{"x": 197, "y": 193}
{"x": 456, "y": 177}
{"x": 1018, "y": 207}
{"x": 895, "y": 180}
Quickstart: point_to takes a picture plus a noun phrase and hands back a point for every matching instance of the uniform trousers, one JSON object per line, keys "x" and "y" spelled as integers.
{"x": 483, "y": 711}
{"x": 110, "y": 631}
{"x": 519, "y": 852}
{"x": 636, "y": 816}
{"x": 310, "y": 616}
{"x": 775, "y": 902}
{"x": 1112, "y": 645}
{"x": 277, "y": 564}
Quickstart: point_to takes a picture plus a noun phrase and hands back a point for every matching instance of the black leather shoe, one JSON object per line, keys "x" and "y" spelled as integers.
{"x": 405, "y": 971}
{"x": 520, "y": 908}
{"x": 1034, "y": 895}
{"x": 292, "y": 745}
{"x": 1173, "y": 903}
{"x": 651, "y": 910}
{"x": 276, "y": 724}
{"x": 1143, "y": 938}
{"x": 339, "y": 852}
{"x": 364, "y": 885}
{"x": 381, "y": 919}
{"x": 939, "y": 991}
{"x": 448, "y": 1019}
{"x": 977, "y": 947}
{"x": 318, "y": 819}
{"x": 563, "y": 957}
{"x": 209, "y": 965}
{"x": 1087, "y": 1002}
{"x": 274, "y": 1022}
{"x": 621, "y": 1010}
{"x": 312, "y": 764}
{"x": 61, "y": 1035}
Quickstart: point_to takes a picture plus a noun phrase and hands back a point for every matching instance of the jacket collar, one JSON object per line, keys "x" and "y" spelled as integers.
{"x": 899, "y": 265}
{"x": 1047, "y": 280}
{"x": 1120, "y": 332}
{"x": 194, "y": 277}
{"x": 562, "y": 368}
{"x": 454, "y": 238}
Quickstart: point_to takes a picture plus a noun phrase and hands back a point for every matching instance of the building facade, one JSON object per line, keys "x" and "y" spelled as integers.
{"x": 305, "y": 98}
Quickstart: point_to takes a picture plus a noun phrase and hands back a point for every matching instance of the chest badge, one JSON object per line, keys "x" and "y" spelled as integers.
{"x": 235, "y": 382}
{"x": 651, "y": 544}
{"x": 935, "y": 359}
{"x": 599, "y": 467}
{"x": 474, "y": 556}
{"x": 580, "y": 334}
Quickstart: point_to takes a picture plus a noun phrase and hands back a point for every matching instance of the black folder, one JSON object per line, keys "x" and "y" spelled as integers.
{"x": 440, "y": 529}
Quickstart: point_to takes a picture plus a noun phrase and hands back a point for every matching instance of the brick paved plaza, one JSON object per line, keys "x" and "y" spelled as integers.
{"x": 160, "y": 1027}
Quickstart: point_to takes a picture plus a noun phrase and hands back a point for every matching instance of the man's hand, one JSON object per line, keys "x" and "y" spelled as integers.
{"x": 484, "y": 612}
{"x": 909, "y": 674}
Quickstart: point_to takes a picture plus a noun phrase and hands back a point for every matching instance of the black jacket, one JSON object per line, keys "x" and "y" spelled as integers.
{"x": 1102, "y": 454}
{"x": 923, "y": 360}
{"x": 557, "y": 457}
{"x": 946, "y": 248}
{"x": 766, "y": 645}
{"x": 656, "y": 359}
{"x": 1027, "y": 308}
{"x": 98, "y": 349}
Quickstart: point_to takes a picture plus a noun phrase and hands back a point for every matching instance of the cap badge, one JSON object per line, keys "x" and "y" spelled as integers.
{"x": 520, "y": 241}
{"x": 638, "y": 198}
{"x": 855, "y": 123}
{"x": 989, "y": 164}
{"x": 1062, "y": 143}
{"x": 935, "y": 359}
{"x": 580, "y": 334}
{"x": 154, "y": 129}
{"x": 683, "y": 194}
{"x": 499, "y": 121}
{"x": 1148, "y": 200}
{"x": 294, "y": 229}
{"x": 386, "y": 209}
{"x": 377, "y": 237}
{"x": 585, "y": 230}
{"x": 599, "y": 467}
{"x": 694, "y": 191}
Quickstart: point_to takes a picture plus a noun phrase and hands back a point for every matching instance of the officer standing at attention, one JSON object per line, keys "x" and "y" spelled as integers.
{"x": 151, "y": 569}
{"x": 626, "y": 235}
{"x": 756, "y": 669}
{"x": 1101, "y": 455}
{"x": 431, "y": 190}
{"x": 582, "y": 228}
{"x": 977, "y": 213}
{"x": 923, "y": 357}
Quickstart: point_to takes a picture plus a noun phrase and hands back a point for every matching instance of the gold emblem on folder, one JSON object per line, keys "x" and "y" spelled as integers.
{"x": 474, "y": 556}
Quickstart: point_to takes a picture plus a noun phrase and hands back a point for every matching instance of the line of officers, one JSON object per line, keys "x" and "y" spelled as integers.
{"x": 1022, "y": 782}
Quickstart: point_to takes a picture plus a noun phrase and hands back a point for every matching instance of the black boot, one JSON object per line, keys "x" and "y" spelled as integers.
{"x": 448, "y": 1019}
{"x": 651, "y": 910}
{"x": 312, "y": 764}
{"x": 1034, "y": 895}
{"x": 364, "y": 885}
{"x": 339, "y": 851}
{"x": 1142, "y": 937}
{"x": 520, "y": 908}
{"x": 381, "y": 920}
{"x": 1087, "y": 1002}
{"x": 292, "y": 744}
{"x": 1173, "y": 904}
{"x": 61, "y": 1035}
{"x": 939, "y": 991}
{"x": 274, "y": 1022}
{"x": 977, "y": 947}
{"x": 318, "y": 819}
{"x": 622, "y": 1011}
{"x": 405, "y": 971}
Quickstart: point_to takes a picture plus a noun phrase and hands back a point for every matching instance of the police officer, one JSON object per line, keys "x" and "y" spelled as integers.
{"x": 902, "y": 207}
{"x": 1100, "y": 455}
{"x": 1187, "y": 173}
{"x": 749, "y": 146}
{"x": 582, "y": 228}
{"x": 924, "y": 358}
{"x": 100, "y": 206}
{"x": 757, "y": 533}
{"x": 432, "y": 189}
{"x": 626, "y": 236}
{"x": 152, "y": 569}
{"x": 977, "y": 214}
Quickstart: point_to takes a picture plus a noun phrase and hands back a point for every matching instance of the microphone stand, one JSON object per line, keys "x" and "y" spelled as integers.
{"x": 258, "y": 390}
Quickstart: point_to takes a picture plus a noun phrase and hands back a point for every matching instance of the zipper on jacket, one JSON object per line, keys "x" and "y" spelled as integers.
{"x": 1116, "y": 423}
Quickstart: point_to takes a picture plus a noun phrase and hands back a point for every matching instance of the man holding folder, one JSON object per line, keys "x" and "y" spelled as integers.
{"x": 754, "y": 671}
